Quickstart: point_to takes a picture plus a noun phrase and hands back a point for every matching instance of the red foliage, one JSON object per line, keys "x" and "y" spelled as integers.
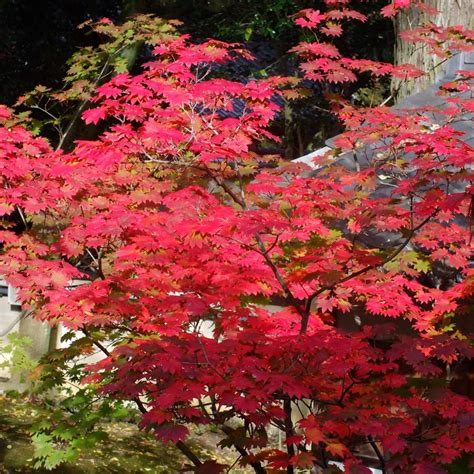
{"x": 181, "y": 227}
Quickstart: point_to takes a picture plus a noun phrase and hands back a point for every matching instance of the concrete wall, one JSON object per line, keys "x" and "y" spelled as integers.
{"x": 9, "y": 323}
{"x": 13, "y": 320}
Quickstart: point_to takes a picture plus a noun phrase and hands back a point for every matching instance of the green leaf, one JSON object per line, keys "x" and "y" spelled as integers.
{"x": 120, "y": 413}
{"x": 248, "y": 33}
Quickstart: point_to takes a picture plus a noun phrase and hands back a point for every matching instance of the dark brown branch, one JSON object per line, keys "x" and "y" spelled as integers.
{"x": 289, "y": 432}
{"x": 390, "y": 257}
{"x": 98, "y": 344}
{"x": 234, "y": 196}
{"x": 141, "y": 407}
{"x": 263, "y": 250}
{"x": 344, "y": 392}
{"x": 257, "y": 467}
{"x": 378, "y": 453}
{"x": 188, "y": 453}
{"x": 289, "y": 295}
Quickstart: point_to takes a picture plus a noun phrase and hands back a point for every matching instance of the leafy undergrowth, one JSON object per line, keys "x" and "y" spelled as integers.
{"x": 126, "y": 451}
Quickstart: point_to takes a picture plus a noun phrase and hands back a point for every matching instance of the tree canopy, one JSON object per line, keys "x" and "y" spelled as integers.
{"x": 219, "y": 282}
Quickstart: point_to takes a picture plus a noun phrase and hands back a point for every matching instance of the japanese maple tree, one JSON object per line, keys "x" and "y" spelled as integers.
{"x": 248, "y": 293}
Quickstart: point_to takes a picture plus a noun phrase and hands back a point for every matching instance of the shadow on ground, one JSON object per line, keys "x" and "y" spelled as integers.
{"x": 126, "y": 451}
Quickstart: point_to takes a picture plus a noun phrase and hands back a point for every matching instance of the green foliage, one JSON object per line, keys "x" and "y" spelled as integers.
{"x": 459, "y": 466}
{"x": 47, "y": 110}
{"x": 74, "y": 414}
{"x": 266, "y": 19}
{"x": 116, "y": 54}
{"x": 126, "y": 449}
{"x": 373, "y": 94}
{"x": 74, "y": 424}
{"x": 49, "y": 456}
{"x": 15, "y": 355}
{"x": 411, "y": 259}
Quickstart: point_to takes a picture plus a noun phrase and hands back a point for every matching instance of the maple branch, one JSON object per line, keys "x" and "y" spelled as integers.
{"x": 289, "y": 295}
{"x": 104, "y": 72}
{"x": 378, "y": 453}
{"x": 213, "y": 368}
{"x": 98, "y": 262}
{"x": 229, "y": 469}
{"x": 188, "y": 453}
{"x": 18, "y": 209}
{"x": 141, "y": 407}
{"x": 257, "y": 467}
{"x": 55, "y": 118}
{"x": 70, "y": 127}
{"x": 96, "y": 343}
{"x": 263, "y": 250}
{"x": 22, "y": 215}
{"x": 344, "y": 392}
{"x": 289, "y": 432}
{"x": 138, "y": 402}
{"x": 390, "y": 257}
{"x": 221, "y": 182}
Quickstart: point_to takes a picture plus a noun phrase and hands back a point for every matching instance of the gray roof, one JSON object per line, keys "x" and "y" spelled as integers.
{"x": 428, "y": 97}
{"x": 352, "y": 161}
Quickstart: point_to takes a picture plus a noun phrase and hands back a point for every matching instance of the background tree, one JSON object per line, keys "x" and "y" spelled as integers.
{"x": 266, "y": 28}
{"x": 441, "y": 12}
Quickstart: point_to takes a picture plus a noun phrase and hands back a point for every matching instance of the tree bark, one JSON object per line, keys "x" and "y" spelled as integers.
{"x": 450, "y": 12}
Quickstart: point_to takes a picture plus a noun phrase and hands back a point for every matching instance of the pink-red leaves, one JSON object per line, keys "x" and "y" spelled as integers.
{"x": 309, "y": 18}
{"x": 95, "y": 115}
{"x": 169, "y": 433}
{"x": 236, "y": 291}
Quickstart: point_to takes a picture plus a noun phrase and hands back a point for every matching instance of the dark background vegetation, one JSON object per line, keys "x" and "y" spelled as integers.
{"x": 37, "y": 37}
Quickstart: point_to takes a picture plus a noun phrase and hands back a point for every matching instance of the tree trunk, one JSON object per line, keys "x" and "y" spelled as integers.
{"x": 450, "y": 12}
